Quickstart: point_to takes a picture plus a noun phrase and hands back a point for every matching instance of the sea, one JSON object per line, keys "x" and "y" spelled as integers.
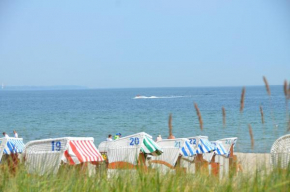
{"x": 41, "y": 114}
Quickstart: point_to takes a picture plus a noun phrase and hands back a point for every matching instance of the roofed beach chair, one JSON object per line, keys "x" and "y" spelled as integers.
{"x": 280, "y": 152}
{"x": 224, "y": 155}
{"x": 11, "y": 147}
{"x": 203, "y": 148}
{"x": 45, "y": 156}
{"x": 129, "y": 152}
{"x": 176, "y": 154}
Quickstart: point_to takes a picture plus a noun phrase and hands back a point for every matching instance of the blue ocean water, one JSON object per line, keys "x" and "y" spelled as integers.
{"x": 99, "y": 112}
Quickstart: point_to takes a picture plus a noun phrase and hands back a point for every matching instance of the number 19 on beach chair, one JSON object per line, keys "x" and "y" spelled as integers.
{"x": 45, "y": 156}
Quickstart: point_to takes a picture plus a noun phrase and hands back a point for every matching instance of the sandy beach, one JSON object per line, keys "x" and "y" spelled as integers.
{"x": 251, "y": 162}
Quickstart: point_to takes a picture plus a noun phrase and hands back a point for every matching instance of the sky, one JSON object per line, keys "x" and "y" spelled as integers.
{"x": 152, "y": 43}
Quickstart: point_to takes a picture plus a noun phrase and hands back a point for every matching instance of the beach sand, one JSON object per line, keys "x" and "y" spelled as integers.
{"x": 251, "y": 162}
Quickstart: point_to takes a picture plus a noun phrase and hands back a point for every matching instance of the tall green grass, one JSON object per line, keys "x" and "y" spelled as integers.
{"x": 71, "y": 178}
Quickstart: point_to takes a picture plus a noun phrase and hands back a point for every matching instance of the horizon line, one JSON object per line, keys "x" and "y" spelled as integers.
{"x": 80, "y": 87}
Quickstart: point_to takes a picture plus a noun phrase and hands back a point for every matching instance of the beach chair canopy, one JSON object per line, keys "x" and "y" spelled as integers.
{"x": 201, "y": 144}
{"x": 280, "y": 152}
{"x": 172, "y": 149}
{"x": 227, "y": 144}
{"x": 127, "y": 149}
{"x": 11, "y": 145}
{"x": 45, "y": 156}
{"x": 219, "y": 148}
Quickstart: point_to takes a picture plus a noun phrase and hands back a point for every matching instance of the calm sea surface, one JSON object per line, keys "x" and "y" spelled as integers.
{"x": 97, "y": 113}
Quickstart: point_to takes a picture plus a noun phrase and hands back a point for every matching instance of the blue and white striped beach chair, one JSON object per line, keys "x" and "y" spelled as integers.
{"x": 10, "y": 146}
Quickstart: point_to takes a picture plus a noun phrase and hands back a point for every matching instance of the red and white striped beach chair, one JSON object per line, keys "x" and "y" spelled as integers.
{"x": 45, "y": 156}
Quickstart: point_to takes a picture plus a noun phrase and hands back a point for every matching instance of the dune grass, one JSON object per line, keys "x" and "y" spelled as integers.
{"x": 71, "y": 178}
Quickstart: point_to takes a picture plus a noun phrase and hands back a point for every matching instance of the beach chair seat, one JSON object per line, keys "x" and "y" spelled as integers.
{"x": 280, "y": 152}
{"x": 45, "y": 156}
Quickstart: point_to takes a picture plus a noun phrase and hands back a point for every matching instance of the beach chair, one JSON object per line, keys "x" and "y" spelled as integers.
{"x": 11, "y": 147}
{"x": 224, "y": 155}
{"x": 280, "y": 152}
{"x": 177, "y": 153}
{"x": 45, "y": 156}
{"x": 130, "y": 151}
{"x": 204, "y": 152}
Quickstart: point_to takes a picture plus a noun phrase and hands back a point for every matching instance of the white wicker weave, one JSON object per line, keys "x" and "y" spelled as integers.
{"x": 123, "y": 142}
{"x": 122, "y": 150}
{"x": 280, "y": 152}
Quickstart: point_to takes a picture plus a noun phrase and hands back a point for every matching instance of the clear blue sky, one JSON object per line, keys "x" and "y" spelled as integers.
{"x": 152, "y": 43}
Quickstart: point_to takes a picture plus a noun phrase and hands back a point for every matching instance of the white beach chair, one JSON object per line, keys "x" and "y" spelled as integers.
{"x": 280, "y": 152}
{"x": 124, "y": 153}
{"x": 11, "y": 145}
{"x": 224, "y": 155}
{"x": 45, "y": 156}
{"x": 173, "y": 150}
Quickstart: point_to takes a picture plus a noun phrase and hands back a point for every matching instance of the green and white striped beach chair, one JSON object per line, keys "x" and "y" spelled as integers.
{"x": 128, "y": 152}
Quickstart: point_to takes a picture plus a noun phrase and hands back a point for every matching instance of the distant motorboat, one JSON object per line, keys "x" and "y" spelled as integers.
{"x": 144, "y": 97}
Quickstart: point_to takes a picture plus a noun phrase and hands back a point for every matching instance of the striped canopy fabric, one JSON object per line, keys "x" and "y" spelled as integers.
{"x": 14, "y": 146}
{"x": 228, "y": 143}
{"x": 220, "y": 149}
{"x": 150, "y": 147}
{"x": 204, "y": 146}
{"x": 80, "y": 151}
{"x": 187, "y": 150}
